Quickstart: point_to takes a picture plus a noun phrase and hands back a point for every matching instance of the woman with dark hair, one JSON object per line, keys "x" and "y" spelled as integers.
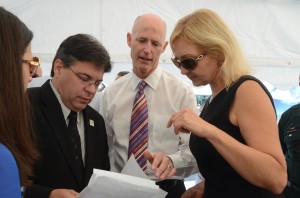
{"x": 17, "y": 151}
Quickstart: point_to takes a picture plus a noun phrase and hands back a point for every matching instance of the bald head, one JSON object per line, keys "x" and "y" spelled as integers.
{"x": 147, "y": 42}
{"x": 150, "y": 21}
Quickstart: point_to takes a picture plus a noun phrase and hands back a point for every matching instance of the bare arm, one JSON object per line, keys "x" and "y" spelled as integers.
{"x": 261, "y": 160}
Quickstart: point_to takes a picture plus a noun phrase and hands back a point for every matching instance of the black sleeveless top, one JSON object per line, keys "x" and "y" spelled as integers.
{"x": 221, "y": 180}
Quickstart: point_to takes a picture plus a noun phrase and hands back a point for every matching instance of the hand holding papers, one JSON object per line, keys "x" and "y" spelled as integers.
{"x": 113, "y": 185}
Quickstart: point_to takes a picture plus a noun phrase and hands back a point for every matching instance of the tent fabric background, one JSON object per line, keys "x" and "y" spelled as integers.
{"x": 268, "y": 30}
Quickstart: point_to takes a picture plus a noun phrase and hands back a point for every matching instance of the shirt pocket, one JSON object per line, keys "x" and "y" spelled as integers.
{"x": 164, "y": 139}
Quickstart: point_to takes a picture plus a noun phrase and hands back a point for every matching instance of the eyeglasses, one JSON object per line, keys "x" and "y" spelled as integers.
{"x": 188, "y": 63}
{"x": 86, "y": 80}
{"x": 33, "y": 65}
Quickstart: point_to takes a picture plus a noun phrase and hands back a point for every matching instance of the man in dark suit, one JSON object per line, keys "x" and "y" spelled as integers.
{"x": 289, "y": 134}
{"x": 67, "y": 159}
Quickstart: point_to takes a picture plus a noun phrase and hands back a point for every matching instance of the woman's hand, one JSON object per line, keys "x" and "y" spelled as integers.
{"x": 196, "y": 191}
{"x": 187, "y": 121}
{"x": 63, "y": 193}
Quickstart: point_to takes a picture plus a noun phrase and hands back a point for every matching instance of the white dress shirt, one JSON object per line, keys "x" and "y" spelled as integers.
{"x": 80, "y": 120}
{"x": 165, "y": 95}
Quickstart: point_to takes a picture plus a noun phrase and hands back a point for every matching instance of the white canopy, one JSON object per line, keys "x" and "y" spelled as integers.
{"x": 268, "y": 30}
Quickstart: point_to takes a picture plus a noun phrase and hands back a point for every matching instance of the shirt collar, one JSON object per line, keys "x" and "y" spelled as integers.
{"x": 152, "y": 80}
{"x": 64, "y": 109}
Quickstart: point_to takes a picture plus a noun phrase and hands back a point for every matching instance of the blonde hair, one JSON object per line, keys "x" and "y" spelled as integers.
{"x": 206, "y": 29}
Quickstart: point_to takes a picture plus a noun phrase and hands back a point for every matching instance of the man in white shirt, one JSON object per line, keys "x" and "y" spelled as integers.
{"x": 165, "y": 94}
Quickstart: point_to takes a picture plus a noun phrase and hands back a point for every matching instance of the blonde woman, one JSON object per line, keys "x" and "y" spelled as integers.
{"x": 235, "y": 139}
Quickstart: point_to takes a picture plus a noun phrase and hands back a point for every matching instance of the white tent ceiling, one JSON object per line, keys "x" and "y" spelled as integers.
{"x": 268, "y": 30}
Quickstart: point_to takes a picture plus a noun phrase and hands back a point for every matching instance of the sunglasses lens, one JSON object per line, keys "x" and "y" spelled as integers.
{"x": 188, "y": 63}
{"x": 176, "y": 63}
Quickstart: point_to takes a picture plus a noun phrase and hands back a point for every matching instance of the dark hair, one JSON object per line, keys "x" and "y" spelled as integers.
{"x": 123, "y": 73}
{"x": 15, "y": 122}
{"x": 82, "y": 47}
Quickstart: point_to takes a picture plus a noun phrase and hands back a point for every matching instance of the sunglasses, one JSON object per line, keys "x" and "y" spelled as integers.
{"x": 33, "y": 65}
{"x": 188, "y": 63}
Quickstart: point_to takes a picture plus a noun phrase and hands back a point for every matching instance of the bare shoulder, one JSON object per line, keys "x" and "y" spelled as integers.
{"x": 251, "y": 91}
{"x": 251, "y": 103}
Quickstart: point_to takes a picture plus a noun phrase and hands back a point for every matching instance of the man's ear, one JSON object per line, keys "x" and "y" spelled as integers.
{"x": 58, "y": 66}
{"x": 129, "y": 39}
{"x": 165, "y": 46}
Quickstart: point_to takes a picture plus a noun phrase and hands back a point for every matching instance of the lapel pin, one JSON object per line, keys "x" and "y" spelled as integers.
{"x": 91, "y": 122}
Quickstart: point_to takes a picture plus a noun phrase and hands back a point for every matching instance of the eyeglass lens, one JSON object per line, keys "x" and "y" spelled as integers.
{"x": 86, "y": 81}
{"x": 34, "y": 64}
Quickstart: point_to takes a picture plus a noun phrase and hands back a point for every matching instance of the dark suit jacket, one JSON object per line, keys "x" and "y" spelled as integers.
{"x": 57, "y": 166}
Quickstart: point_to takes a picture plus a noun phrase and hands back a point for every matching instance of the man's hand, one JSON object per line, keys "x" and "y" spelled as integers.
{"x": 162, "y": 165}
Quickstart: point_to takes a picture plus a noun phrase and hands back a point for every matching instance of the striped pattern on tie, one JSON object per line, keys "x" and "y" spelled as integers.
{"x": 138, "y": 139}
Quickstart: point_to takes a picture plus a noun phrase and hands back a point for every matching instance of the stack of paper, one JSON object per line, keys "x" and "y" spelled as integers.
{"x": 115, "y": 185}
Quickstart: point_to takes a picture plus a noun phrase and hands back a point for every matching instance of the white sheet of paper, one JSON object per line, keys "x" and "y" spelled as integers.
{"x": 127, "y": 178}
{"x": 133, "y": 168}
{"x": 115, "y": 185}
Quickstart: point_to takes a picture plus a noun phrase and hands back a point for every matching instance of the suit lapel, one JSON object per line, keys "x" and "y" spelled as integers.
{"x": 89, "y": 126}
{"x": 52, "y": 111}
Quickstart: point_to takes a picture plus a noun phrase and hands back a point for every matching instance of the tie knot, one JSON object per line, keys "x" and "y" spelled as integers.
{"x": 72, "y": 115}
{"x": 142, "y": 84}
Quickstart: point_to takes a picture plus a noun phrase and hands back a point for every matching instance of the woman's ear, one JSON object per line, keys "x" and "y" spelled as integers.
{"x": 220, "y": 63}
{"x": 220, "y": 60}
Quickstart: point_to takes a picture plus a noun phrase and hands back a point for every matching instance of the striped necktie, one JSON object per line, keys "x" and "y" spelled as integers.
{"x": 138, "y": 139}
